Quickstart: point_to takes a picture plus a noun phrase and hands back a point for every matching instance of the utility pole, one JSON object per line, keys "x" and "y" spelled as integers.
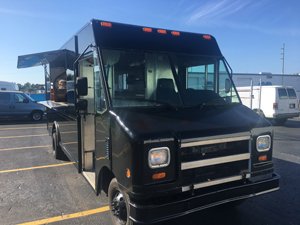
{"x": 282, "y": 57}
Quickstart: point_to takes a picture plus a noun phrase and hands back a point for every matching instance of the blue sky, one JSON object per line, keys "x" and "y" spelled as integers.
{"x": 250, "y": 33}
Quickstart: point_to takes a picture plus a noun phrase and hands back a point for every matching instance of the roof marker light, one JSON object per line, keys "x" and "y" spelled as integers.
{"x": 207, "y": 37}
{"x": 175, "y": 33}
{"x": 147, "y": 29}
{"x": 161, "y": 31}
{"x": 106, "y": 24}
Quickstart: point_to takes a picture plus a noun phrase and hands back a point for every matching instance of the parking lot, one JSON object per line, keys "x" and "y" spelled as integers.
{"x": 37, "y": 189}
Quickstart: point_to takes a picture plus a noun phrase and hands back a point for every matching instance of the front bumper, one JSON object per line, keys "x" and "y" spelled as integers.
{"x": 285, "y": 115}
{"x": 161, "y": 211}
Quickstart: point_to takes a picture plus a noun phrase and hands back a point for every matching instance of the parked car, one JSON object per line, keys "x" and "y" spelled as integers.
{"x": 17, "y": 104}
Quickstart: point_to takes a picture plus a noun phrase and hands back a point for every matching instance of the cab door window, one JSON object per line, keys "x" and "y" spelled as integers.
{"x": 100, "y": 100}
{"x": 201, "y": 77}
{"x": 225, "y": 86}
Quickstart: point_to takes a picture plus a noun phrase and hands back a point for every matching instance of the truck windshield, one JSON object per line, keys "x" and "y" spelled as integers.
{"x": 138, "y": 78}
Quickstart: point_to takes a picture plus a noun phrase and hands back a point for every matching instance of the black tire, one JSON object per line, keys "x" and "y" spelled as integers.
{"x": 57, "y": 151}
{"x": 36, "y": 116}
{"x": 118, "y": 204}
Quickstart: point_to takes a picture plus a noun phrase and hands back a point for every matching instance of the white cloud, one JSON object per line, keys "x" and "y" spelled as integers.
{"x": 216, "y": 10}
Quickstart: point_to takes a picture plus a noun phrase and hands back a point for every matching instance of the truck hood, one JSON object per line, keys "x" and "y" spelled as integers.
{"x": 163, "y": 122}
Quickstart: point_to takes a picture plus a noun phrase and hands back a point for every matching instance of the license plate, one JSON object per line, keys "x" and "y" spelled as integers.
{"x": 292, "y": 106}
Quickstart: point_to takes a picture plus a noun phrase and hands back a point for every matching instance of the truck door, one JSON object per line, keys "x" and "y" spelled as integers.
{"x": 282, "y": 101}
{"x": 5, "y": 103}
{"x": 94, "y": 129}
{"x": 293, "y": 101}
{"x": 21, "y": 104}
{"x": 87, "y": 118}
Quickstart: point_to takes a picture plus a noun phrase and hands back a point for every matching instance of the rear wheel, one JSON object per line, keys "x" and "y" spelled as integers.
{"x": 37, "y": 115}
{"x": 118, "y": 204}
{"x": 54, "y": 143}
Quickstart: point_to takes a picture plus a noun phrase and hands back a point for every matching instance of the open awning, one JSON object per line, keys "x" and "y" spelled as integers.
{"x": 57, "y": 58}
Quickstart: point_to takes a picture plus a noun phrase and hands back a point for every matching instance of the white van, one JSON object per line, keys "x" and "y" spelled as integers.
{"x": 8, "y": 86}
{"x": 273, "y": 102}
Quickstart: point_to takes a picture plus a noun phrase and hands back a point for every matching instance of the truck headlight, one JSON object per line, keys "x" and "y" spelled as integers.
{"x": 159, "y": 157}
{"x": 263, "y": 143}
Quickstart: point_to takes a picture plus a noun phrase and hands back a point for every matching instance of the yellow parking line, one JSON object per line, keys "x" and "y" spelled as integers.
{"x": 27, "y": 147}
{"x": 23, "y": 136}
{"x": 67, "y": 216}
{"x": 36, "y": 167}
{"x": 22, "y": 128}
{"x": 70, "y": 143}
{"x": 69, "y": 132}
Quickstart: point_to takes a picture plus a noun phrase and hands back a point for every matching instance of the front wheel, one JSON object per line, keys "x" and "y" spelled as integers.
{"x": 37, "y": 116}
{"x": 54, "y": 144}
{"x": 57, "y": 150}
{"x": 118, "y": 204}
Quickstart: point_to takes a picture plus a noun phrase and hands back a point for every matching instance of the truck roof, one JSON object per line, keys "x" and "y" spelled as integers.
{"x": 125, "y": 36}
{"x": 112, "y": 35}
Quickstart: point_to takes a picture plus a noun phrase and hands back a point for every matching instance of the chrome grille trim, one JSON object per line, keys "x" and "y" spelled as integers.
{"x": 215, "y": 139}
{"x": 214, "y": 161}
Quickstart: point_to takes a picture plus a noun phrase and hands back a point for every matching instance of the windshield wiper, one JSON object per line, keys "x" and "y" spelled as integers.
{"x": 212, "y": 103}
{"x": 161, "y": 103}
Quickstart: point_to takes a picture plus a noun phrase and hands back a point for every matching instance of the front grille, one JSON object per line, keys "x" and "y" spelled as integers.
{"x": 216, "y": 160}
{"x": 203, "y": 152}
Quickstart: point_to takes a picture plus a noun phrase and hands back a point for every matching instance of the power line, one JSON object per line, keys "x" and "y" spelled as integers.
{"x": 282, "y": 58}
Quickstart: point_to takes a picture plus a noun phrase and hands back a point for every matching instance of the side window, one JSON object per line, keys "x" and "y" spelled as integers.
{"x": 4, "y": 98}
{"x": 201, "y": 77}
{"x": 291, "y": 92}
{"x": 226, "y": 89}
{"x": 19, "y": 98}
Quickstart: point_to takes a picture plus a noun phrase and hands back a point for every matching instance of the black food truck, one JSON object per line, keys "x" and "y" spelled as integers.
{"x": 152, "y": 118}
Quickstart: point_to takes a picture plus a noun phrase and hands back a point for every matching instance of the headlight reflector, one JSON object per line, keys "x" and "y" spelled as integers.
{"x": 263, "y": 143}
{"x": 159, "y": 157}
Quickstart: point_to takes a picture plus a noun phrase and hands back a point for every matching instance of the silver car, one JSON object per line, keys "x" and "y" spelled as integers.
{"x": 17, "y": 104}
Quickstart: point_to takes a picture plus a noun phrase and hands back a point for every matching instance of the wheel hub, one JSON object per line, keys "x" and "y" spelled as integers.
{"x": 118, "y": 206}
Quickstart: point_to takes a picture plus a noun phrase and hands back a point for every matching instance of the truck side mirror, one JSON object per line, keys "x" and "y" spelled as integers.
{"x": 82, "y": 86}
{"x": 228, "y": 85}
